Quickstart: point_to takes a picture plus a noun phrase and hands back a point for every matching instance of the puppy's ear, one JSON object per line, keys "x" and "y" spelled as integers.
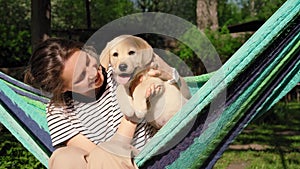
{"x": 147, "y": 50}
{"x": 104, "y": 57}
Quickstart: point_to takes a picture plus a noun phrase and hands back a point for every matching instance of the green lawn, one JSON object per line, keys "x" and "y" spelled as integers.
{"x": 269, "y": 142}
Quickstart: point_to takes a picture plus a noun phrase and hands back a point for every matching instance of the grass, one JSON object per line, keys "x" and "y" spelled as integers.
{"x": 270, "y": 142}
{"x": 14, "y": 155}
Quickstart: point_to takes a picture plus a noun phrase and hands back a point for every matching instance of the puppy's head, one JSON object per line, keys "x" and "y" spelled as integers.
{"x": 127, "y": 55}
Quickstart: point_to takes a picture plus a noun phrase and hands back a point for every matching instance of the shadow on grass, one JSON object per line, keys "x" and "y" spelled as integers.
{"x": 272, "y": 139}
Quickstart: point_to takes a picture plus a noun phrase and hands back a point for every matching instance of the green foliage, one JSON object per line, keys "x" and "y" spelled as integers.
{"x": 185, "y": 9}
{"x": 232, "y": 12}
{"x": 191, "y": 59}
{"x": 109, "y": 10}
{"x": 14, "y": 155}
{"x": 102, "y": 12}
{"x": 15, "y": 22}
{"x": 221, "y": 42}
{"x": 259, "y": 10}
{"x": 15, "y": 33}
{"x": 68, "y": 14}
{"x": 225, "y": 43}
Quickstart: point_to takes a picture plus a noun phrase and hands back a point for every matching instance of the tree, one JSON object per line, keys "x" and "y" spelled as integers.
{"x": 71, "y": 14}
{"x": 40, "y": 20}
{"x": 185, "y": 9}
{"x": 207, "y": 15}
{"x": 240, "y": 11}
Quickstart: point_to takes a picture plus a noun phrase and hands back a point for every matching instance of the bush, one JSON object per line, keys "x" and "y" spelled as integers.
{"x": 14, "y": 155}
{"x": 15, "y": 45}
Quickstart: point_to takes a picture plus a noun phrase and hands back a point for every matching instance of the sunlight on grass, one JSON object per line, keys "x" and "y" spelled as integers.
{"x": 258, "y": 160}
{"x": 272, "y": 141}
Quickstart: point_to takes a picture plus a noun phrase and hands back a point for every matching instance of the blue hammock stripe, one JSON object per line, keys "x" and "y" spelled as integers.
{"x": 244, "y": 80}
{"x": 24, "y": 89}
{"x": 40, "y": 135}
{"x": 20, "y": 84}
{"x": 285, "y": 77}
{"x": 290, "y": 8}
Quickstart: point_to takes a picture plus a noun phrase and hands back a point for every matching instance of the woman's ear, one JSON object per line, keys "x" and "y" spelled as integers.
{"x": 64, "y": 90}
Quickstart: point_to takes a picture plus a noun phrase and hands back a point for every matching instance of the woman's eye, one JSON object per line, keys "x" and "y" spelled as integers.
{"x": 81, "y": 77}
{"x": 115, "y": 54}
{"x": 131, "y": 52}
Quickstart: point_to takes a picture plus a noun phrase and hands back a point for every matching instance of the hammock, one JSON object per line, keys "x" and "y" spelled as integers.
{"x": 257, "y": 76}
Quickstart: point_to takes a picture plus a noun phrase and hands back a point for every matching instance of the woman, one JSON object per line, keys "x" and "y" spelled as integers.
{"x": 85, "y": 123}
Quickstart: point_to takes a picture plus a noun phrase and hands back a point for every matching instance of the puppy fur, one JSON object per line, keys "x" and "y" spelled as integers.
{"x": 129, "y": 56}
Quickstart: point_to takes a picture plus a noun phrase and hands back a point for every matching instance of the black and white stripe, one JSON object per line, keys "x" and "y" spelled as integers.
{"x": 97, "y": 120}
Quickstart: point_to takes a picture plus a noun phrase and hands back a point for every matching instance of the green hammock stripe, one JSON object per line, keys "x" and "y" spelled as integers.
{"x": 219, "y": 81}
{"x": 274, "y": 68}
{"x": 21, "y": 134}
{"x": 22, "y": 89}
{"x": 35, "y": 113}
{"x": 196, "y": 82}
{"x": 197, "y": 153}
{"x": 291, "y": 80}
{"x": 231, "y": 116}
{"x": 209, "y": 89}
{"x": 37, "y": 105}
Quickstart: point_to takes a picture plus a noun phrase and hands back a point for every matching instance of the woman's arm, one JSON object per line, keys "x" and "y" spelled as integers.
{"x": 82, "y": 142}
{"x": 125, "y": 131}
{"x": 123, "y": 135}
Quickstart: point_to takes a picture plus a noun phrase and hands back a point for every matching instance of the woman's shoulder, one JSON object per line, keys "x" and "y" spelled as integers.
{"x": 52, "y": 108}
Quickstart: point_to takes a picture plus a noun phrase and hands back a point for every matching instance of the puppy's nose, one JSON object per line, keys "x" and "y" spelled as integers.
{"x": 123, "y": 67}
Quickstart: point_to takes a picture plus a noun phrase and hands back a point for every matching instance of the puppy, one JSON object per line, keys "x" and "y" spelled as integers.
{"x": 129, "y": 56}
{"x": 159, "y": 107}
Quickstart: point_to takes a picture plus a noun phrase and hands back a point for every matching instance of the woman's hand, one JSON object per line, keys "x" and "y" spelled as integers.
{"x": 163, "y": 75}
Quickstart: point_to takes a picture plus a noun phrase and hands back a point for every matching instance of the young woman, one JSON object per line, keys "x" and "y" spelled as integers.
{"x": 85, "y": 123}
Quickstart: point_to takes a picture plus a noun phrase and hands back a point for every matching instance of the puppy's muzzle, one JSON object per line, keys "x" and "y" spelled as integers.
{"x": 123, "y": 67}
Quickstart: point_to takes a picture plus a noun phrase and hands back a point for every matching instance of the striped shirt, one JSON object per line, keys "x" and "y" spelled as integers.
{"x": 98, "y": 120}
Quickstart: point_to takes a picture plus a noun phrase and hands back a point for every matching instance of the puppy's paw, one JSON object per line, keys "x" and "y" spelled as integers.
{"x": 140, "y": 107}
{"x": 140, "y": 113}
{"x": 154, "y": 90}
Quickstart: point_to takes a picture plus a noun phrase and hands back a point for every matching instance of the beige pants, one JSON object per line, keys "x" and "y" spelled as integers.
{"x": 76, "y": 158}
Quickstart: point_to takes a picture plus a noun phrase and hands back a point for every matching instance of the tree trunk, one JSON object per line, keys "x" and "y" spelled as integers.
{"x": 207, "y": 14}
{"x": 40, "y": 21}
{"x": 88, "y": 14}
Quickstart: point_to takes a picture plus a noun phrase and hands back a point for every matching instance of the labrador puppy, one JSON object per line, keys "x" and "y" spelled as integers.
{"x": 131, "y": 58}
{"x": 159, "y": 107}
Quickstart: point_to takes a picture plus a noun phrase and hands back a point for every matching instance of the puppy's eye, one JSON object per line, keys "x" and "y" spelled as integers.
{"x": 115, "y": 54}
{"x": 131, "y": 52}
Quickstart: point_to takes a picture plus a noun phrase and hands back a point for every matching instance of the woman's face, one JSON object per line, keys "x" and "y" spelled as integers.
{"x": 82, "y": 74}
